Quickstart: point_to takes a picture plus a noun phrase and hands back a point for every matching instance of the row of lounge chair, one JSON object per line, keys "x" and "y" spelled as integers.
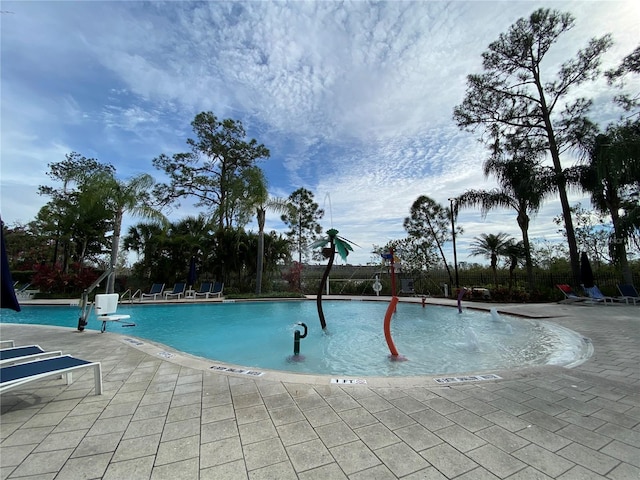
{"x": 628, "y": 294}
{"x": 30, "y": 363}
{"x": 207, "y": 290}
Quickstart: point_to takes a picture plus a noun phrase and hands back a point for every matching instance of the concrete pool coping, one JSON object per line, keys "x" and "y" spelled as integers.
{"x": 159, "y": 418}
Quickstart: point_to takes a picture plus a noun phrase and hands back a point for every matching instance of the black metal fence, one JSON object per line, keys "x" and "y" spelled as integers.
{"x": 359, "y": 280}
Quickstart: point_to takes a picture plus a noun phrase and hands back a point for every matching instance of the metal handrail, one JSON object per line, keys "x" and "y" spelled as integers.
{"x": 84, "y": 299}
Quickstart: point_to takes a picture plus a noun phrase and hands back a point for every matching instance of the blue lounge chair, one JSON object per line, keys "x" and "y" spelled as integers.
{"x": 596, "y": 296}
{"x": 106, "y": 306}
{"x": 205, "y": 289}
{"x": 628, "y": 292}
{"x": 178, "y": 291}
{"x": 156, "y": 290}
{"x": 216, "y": 291}
{"x": 28, "y": 352}
{"x": 14, "y": 376}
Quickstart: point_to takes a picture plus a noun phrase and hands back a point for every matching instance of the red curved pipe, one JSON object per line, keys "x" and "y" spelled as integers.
{"x": 387, "y": 326}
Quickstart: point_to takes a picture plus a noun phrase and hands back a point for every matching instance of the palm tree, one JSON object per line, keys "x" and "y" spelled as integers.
{"x": 132, "y": 197}
{"x": 148, "y": 241}
{"x": 257, "y": 196}
{"x": 515, "y": 251}
{"x": 490, "y": 246}
{"x": 611, "y": 177}
{"x": 343, "y": 247}
{"x": 524, "y": 184}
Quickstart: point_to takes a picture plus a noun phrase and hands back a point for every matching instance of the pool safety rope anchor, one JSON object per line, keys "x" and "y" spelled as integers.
{"x": 297, "y": 337}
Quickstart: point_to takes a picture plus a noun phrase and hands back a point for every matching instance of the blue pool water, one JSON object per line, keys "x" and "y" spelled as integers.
{"x": 435, "y": 340}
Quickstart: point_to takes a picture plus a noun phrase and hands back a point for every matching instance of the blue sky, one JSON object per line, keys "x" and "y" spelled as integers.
{"x": 353, "y": 99}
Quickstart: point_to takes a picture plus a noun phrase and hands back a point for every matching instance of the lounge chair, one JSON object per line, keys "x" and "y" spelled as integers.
{"x": 205, "y": 289}
{"x": 178, "y": 291}
{"x": 156, "y": 290}
{"x": 28, "y": 352}
{"x": 596, "y": 296}
{"x": 569, "y": 294}
{"x": 215, "y": 292}
{"x": 628, "y": 292}
{"x": 106, "y": 306}
{"x": 14, "y": 376}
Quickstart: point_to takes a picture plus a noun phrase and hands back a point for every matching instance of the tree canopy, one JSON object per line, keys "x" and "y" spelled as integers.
{"x": 217, "y": 170}
{"x": 514, "y": 97}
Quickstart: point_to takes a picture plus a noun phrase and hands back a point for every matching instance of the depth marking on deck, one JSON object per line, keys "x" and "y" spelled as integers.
{"x": 349, "y": 381}
{"x": 253, "y": 373}
{"x": 134, "y": 342}
{"x": 469, "y": 378}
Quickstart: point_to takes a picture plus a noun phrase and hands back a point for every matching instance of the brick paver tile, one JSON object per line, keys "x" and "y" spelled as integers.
{"x": 336, "y": 433}
{"x": 354, "y": 457}
{"x": 459, "y": 438}
{"x": 401, "y": 459}
{"x": 503, "y": 439}
{"x": 85, "y": 467}
{"x": 543, "y": 460}
{"x": 183, "y": 470}
{"x": 308, "y": 455}
{"x": 219, "y": 452}
{"x": 265, "y": 453}
{"x": 135, "y": 469}
{"x": 331, "y": 471}
{"x": 394, "y": 418}
{"x": 376, "y": 436}
{"x": 496, "y": 461}
{"x": 449, "y": 461}
{"x": 544, "y": 438}
{"x": 136, "y": 448}
{"x": 177, "y": 450}
{"x": 234, "y": 470}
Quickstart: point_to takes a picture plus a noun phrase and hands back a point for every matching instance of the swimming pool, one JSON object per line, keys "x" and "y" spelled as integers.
{"x": 435, "y": 340}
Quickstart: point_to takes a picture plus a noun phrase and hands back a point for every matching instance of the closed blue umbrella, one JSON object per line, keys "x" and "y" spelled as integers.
{"x": 7, "y": 292}
{"x": 586, "y": 273}
{"x": 193, "y": 273}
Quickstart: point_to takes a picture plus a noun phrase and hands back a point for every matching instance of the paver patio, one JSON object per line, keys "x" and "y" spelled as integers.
{"x": 175, "y": 418}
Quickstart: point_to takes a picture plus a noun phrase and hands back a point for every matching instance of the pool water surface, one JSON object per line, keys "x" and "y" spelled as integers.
{"x": 435, "y": 340}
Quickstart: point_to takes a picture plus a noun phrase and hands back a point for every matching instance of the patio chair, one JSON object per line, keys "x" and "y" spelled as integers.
{"x": 178, "y": 291}
{"x": 14, "y": 376}
{"x": 106, "y": 306}
{"x": 407, "y": 286}
{"x": 569, "y": 294}
{"x": 154, "y": 292}
{"x": 628, "y": 292}
{"x": 205, "y": 289}
{"x": 596, "y": 296}
{"x": 28, "y": 352}
{"x": 216, "y": 291}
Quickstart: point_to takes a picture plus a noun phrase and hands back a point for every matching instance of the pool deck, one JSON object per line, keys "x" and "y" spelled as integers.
{"x": 167, "y": 415}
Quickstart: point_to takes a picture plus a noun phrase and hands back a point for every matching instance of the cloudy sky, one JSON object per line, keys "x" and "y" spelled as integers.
{"x": 353, "y": 99}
